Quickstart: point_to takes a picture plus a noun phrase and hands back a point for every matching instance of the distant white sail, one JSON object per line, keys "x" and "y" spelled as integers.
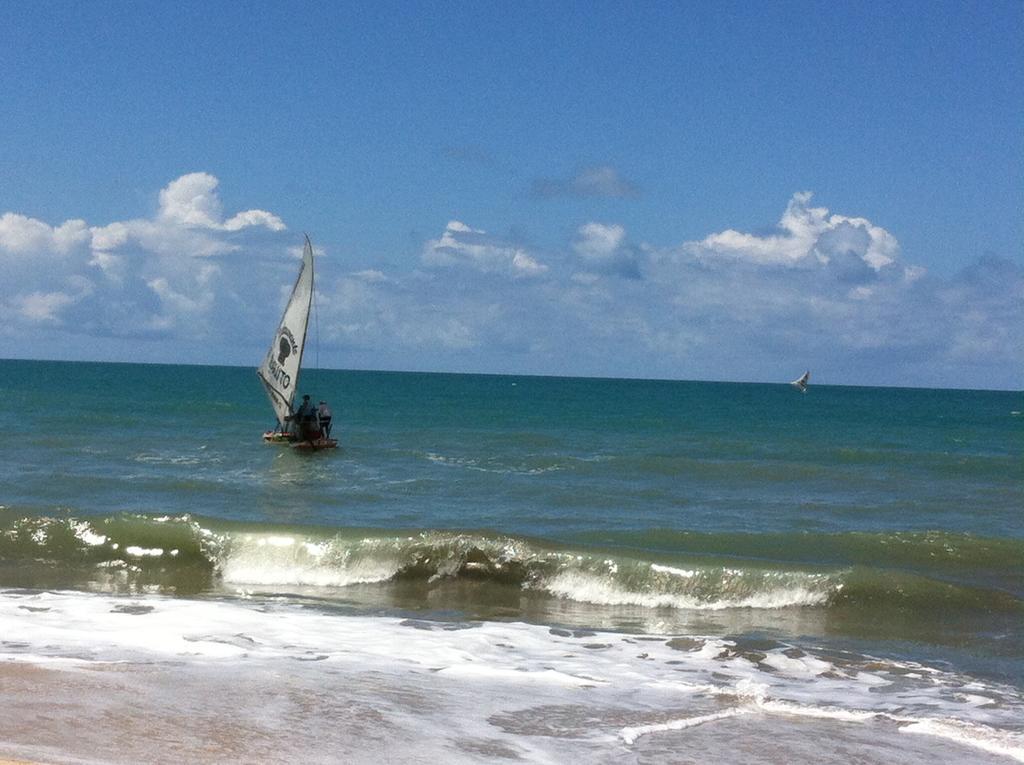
{"x": 801, "y": 381}
{"x": 280, "y": 369}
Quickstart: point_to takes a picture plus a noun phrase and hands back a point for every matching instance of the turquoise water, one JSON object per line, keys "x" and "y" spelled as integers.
{"x": 540, "y": 456}
{"x": 868, "y": 521}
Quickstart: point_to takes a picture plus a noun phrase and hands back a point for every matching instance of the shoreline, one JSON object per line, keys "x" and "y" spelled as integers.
{"x": 87, "y": 681}
{"x": 348, "y": 717}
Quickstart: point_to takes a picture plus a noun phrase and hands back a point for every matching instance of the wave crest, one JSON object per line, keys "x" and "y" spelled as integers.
{"x": 187, "y": 555}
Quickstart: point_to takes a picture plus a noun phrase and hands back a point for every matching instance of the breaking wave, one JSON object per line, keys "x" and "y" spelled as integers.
{"x": 188, "y": 555}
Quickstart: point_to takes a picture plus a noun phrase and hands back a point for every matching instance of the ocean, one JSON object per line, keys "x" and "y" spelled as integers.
{"x": 507, "y": 569}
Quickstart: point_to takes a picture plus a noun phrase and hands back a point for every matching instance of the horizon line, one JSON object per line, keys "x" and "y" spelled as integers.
{"x": 513, "y": 374}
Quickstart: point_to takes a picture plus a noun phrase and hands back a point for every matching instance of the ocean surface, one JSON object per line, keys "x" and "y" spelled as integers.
{"x": 502, "y": 569}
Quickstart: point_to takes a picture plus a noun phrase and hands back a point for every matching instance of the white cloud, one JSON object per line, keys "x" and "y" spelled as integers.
{"x": 21, "y": 235}
{"x": 122, "y": 277}
{"x": 462, "y": 246}
{"x": 177, "y": 302}
{"x": 109, "y": 237}
{"x": 825, "y": 291}
{"x": 401, "y": 315}
{"x": 254, "y": 218}
{"x": 192, "y": 200}
{"x": 43, "y": 306}
{"x": 596, "y": 241}
{"x": 46, "y": 306}
{"x": 525, "y": 265}
{"x": 603, "y": 248}
{"x": 805, "y": 233}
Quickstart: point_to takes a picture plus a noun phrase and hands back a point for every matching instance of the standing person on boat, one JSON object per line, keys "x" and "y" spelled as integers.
{"x": 304, "y": 419}
{"x": 323, "y": 413}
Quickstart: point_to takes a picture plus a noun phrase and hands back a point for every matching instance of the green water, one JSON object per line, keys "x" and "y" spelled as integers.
{"x": 886, "y": 516}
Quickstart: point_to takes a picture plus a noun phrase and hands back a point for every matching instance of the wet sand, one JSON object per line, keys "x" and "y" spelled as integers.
{"x": 174, "y": 712}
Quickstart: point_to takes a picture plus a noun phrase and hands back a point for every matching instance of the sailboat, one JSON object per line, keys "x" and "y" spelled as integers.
{"x": 280, "y": 369}
{"x": 800, "y": 383}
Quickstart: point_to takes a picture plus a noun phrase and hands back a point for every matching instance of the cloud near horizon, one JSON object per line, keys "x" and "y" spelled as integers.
{"x": 137, "y": 277}
{"x": 827, "y": 291}
{"x": 461, "y": 245}
{"x": 823, "y": 290}
{"x": 806, "y": 232}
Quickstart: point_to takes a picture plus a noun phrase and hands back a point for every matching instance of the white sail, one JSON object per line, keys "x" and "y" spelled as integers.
{"x": 280, "y": 369}
{"x": 801, "y": 381}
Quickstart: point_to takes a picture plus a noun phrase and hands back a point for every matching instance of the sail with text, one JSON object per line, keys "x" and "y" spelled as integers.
{"x": 279, "y": 371}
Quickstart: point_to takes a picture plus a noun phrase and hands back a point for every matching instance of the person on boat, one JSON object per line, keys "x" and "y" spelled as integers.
{"x": 323, "y": 413}
{"x": 305, "y": 420}
{"x": 305, "y": 410}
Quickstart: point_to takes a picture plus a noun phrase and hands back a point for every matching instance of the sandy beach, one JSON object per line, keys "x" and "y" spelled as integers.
{"x": 126, "y": 715}
{"x": 284, "y": 685}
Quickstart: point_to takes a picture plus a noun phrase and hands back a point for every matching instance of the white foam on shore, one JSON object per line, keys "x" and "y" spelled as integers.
{"x": 804, "y": 666}
{"x": 822, "y": 713}
{"x": 480, "y": 673}
{"x": 1002, "y": 742}
{"x": 630, "y": 735}
{"x": 1007, "y": 743}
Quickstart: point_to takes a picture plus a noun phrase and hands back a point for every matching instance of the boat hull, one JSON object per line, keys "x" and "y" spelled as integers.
{"x": 277, "y": 437}
{"x": 315, "y": 445}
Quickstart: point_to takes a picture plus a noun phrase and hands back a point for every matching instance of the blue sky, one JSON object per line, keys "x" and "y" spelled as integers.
{"x": 693, "y": 191}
